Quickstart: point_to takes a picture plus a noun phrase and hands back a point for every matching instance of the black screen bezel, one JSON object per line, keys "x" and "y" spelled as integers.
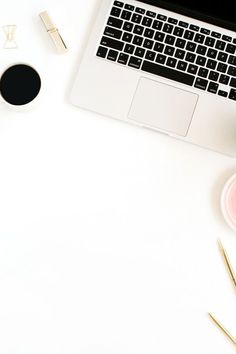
{"x": 191, "y": 13}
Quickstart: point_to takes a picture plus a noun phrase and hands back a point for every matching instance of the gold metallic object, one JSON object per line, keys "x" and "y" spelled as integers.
{"x": 53, "y": 32}
{"x": 228, "y": 263}
{"x": 223, "y": 329}
{"x": 10, "y": 42}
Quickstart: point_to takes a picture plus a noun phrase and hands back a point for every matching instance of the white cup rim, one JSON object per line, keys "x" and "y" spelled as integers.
{"x": 224, "y": 207}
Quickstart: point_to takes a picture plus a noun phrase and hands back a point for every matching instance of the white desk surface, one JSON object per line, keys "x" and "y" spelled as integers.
{"x": 107, "y": 231}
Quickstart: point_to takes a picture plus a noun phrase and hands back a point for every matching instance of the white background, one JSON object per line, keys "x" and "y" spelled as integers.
{"x": 108, "y": 232}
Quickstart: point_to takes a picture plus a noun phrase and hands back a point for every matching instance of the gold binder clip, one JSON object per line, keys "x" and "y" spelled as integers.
{"x": 10, "y": 42}
{"x": 53, "y": 32}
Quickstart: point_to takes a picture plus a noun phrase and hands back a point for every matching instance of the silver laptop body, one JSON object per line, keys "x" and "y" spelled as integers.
{"x": 162, "y": 69}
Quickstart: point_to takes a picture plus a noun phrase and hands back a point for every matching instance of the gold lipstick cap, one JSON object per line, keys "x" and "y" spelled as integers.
{"x": 53, "y": 32}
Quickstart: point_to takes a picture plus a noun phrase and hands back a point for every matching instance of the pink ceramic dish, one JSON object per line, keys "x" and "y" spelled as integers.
{"x": 228, "y": 202}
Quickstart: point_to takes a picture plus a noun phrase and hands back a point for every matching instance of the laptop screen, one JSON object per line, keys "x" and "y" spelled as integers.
{"x": 220, "y": 13}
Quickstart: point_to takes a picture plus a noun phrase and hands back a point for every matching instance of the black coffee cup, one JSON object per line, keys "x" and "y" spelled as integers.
{"x": 20, "y": 84}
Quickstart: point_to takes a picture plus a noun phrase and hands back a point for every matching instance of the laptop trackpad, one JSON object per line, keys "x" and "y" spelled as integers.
{"x": 162, "y": 106}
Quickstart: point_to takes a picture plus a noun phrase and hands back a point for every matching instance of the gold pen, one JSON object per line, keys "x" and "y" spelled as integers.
{"x": 223, "y": 329}
{"x": 53, "y": 32}
{"x": 228, "y": 263}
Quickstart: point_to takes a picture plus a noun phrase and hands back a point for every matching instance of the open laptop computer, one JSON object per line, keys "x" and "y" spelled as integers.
{"x": 168, "y": 65}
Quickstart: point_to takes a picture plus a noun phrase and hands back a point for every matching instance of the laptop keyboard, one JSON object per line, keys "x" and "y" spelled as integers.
{"x": 173, "y": 49}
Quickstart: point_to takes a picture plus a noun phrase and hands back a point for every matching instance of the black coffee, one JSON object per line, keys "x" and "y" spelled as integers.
{"x": 20, "y": 84}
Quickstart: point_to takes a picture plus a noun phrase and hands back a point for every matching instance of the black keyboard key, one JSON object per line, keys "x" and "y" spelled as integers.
{"x": 157, "y": 25}
{"x": 169, "y": 50}
{"x": 222, "y": 56}
{"x": 220, "y": 45}
{"x": 128, "y": 26}
{"x": 139, "y": 52}
{"x": 123, "y": 59}
{"x": 182, "y": 65}
{"x": 168, "y": 73}
{"x": 230, "y": 48}
{"x": 161, "y": 17}
{"x": 115, "y": 22}
{"x": 211, "y": 64}
{"x": 232, "y": 94}
{"x": 115, "y": 11}
{"x": 119, "y": 3}
{"x": 102, "y": 52}
{"x": 172, "y": 20}
{"x": 227, "y": 38}
{"x": 129, "y": 7}
{"x": 180, "y": 43}
{"x": 234, "y": 40}
{"x": 135, "y": 62}
{"x": 222, "y": 93}
{"x": 170, "y": 40}
{"x": 222, "y": 68}
{"x": 232, "y": 71}
{"x": 161, "y": 58}
{"x": 147, "y": 21}
{"x": 201, "y": 83}
{"x": 159, "y": 47}
{"x": 192, "y": 69}
{"x": 194, "y": 28}
{"x": 232, "y": 82}
{"x": 112, "y": 43}
{"x": 201, "y": 49}
{"x": 149, "y": 33}
{"x": 210, "y": 42}
{"x": 179, "y": 53}
{"x": 159, "y": 36}
{"x": 215, "y": 34}
{"x": 201, "y": 60}
{"x": 113, "y": 32}
{"x": 148, "y": 43}
{"x": 140, "y": 11}
{"x": 168, "y": 28}
{"x": 205, "y": 31}
{"x": 136, "y": 18}
{"x": 112, "y": 55}
{"x": 183, "y": 24}
{"x": 150, "y": 55}
{"x": 178, "y": 31}
{"x": 127, "y": 37}
{"x": 129, "y": 48}
{"x": 199, "y": 38}
{"x": 190, "y": 57}
{"x": 213, "y": 87}
{"x": 138, "y": 30}
{"x": 151, "y": 14}
{"x": 171, "y": 62}
{"x": 191, "y": 46}
{"x": 213, "y": 76}
{"x": 211, "y": 53}
{"x": 232, "y": 60}
{"x": 188, "y": 35}
{"x": 138, "y": 40}
{"x": 126, "y": 15}
{"x": 203, "y": 72}
{"x": 224, "y": 79}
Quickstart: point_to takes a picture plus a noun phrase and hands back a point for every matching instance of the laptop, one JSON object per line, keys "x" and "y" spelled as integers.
{"x": 167, "y": 65}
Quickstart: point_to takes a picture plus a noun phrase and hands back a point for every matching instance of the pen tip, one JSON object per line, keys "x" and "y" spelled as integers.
{"x": 220, "y": 244}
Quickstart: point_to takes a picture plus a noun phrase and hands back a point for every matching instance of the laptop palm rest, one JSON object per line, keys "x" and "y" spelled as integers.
{"x": 164, "y": 107}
